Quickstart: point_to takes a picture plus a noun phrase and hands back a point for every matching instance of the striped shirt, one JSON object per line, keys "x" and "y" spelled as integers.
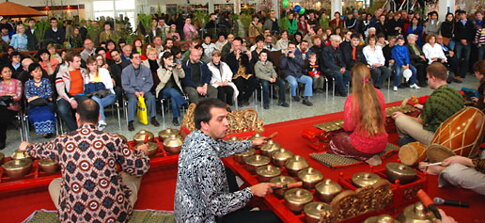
{"x": 480, "y": 37}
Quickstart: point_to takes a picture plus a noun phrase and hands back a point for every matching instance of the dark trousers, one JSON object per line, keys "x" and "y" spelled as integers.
{"x": 421, "y": 72}
{"x": 225, "y": 94}
{"x": 245, "y": 87}
{"x": 5, "y": 118}
{"x": 281, "y": 90}
{"x": 462, "y": 53}
{"x": 379, "y": 75}
{"x": 341, "y": 79}
{"x": 244, "y": 215}
{"x": 65, "y": 112}
{"x": 195, "y": 97}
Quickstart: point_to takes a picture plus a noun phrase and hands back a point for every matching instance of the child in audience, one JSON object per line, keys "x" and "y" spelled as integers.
{"x": 265, "y": 72}
{"x": 313, "y": 70}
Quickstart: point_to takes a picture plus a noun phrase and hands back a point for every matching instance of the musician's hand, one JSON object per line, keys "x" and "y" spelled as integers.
{"x": 262, "y": 189}
{"x": 419, "y": 106}
{"x": 396, "y": 115}
{"x": 458, "y": 159}
{"x": 445, "y": 218}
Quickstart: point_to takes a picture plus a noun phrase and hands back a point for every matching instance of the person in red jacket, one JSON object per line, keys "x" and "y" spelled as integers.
{"x": 364, "y": 117}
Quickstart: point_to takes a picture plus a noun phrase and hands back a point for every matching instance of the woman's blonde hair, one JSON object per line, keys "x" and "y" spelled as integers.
{"x": 365, "y": 100}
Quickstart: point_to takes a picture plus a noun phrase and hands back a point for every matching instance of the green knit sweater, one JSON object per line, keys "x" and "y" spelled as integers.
{"x": 442, "y": 104}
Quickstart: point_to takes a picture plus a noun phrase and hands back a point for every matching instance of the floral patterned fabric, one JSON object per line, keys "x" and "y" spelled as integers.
{"x": 92, "y": 189}
{"x": 12, "y": 87}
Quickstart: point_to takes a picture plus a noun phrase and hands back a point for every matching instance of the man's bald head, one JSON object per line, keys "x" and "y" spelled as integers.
{"x": 195, "y": 55}
{"x": 88, "y": 111}
{"x": 26, "y": 63}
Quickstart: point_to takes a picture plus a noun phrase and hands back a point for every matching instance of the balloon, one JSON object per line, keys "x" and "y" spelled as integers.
{"x": 297, "y": 8}
{"x": 302, "y": 10}
{"x": 285, "y": 3}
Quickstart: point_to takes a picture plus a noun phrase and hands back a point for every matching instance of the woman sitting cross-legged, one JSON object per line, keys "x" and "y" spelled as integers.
{"x": 40, "y": 107}
{"x": 169, "y": 87}
{"x": 100, "y": 87}
{"x": 364, "y": 117}
{"x": 222, "y": 79}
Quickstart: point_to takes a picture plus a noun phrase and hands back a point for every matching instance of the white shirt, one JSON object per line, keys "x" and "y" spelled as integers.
{"x": 375, "y": 56}
{"x": 221, "y": 75}
{"x": 435, "y": 51}
{"x": 105, "y": 78}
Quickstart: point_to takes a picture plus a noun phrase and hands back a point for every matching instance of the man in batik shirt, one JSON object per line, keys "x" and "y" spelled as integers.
{"x": 203, "y": 192}
{"x": 91, "y": 188}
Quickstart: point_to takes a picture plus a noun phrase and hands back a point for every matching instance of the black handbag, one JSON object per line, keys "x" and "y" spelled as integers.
{"x": 38, "y": 102}
{"x": 5, "y": 100}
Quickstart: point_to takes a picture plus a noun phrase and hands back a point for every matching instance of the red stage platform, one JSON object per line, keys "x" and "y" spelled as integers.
{"x": 18, "y": 199}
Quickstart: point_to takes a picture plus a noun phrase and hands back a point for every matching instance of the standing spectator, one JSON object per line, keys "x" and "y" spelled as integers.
{"x": 255, "y": 28}
{"x": 170, "y": 87}
{"x": 480, "y": 41}
{"x": 292, "y": 67}
{"x": 173, "y": 34}
{"x": 376, "y": 60}
{"x": 137, "y": 82}
{"x": 212, "y": 25}
{"x": 350, "y": 22}
{"x": 324, "y": 20}
{"x": 20, "y": 40}
{"x": 418, "y": 59}
{"x": 54, "y": 34}
{"x": 196, "y": 82}
{"x": 303, "y": 26}
{"x": 31, "y": 36}
{"x": 335, "y": 65}
{"x": 70, "y": 89}
{"x": 394, "y": 25}
{"x": 272, "y": 23}
{"x": 104, "y": 95}
{"x": 416, "y": 29}
{"x": 102, "y": 182}
{"x": 76, "y": 39}
{"x": 447, "y": 29}
{"x": 291, "y": 25}
{"x": 5, "y": 36}
{"x": 464, "y": 34}
{"x": 222, "y": 79}
{"x": 107, "y": 33}
{"x": 47, "y": 63}
{"x": 433, "y": 26}
{"x": 400, "y": 54}
{"x": 163, "y": 28}
{"x": 239, "y": 62}
{"x": 10, "y": 95}
{"x": 88, "y": 50}
{"x": 336, "y": 22}
{"x": 190, "y": 32}
{"x": 380, "y": 26}
{"x": 264, "y": 70}
{"x": 40, "y": 107}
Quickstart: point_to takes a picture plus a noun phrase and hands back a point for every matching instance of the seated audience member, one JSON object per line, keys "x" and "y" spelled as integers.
{"x": 153, "y": 64}
{"x": 169, "y": 86}
{"x": 317, "y": 47}
{"x": 196, "y": 82}
{"x": 24, "y": 75}
{"x": 40, "y": 105}
{"x": 353, "y": 52}
{"x": 376, "y": 60}
{"x": 264, "y": 70}
{"x": 459, "y": 171}
{"x": 88, "y": 49}
{"x": 292, "y": 67}
{"x": 70, "y": 89}
{"x": 313, "y": 70}
{"x": 433, "y": 51}
{"x": 255, "y": 27}
{"x": 208, "y": 46}
{"x": 226, "y": 49}
{"x": 450, "y": 57}
{"x": 256, "y": 50}
{"x": 221, "y": 41}
{"x": 479, "y": 70}
{"x": 15, "y": 64}
{"x": 47, "y": 63}
{"x": 127, "y": 50}
{"x": 222, "y": 79}
{"x": 137, "y": 82}
{"x": 400, "y": 54}
{"x": 282, "y": 43}
{"x": 116, "y": 68}
{"x": 101, "y": 88}
{"x": 98, "y": 185}
{"x": 418, "y": 59}
{"x": 334, "y": 63}
{"x": 268, "y": 43}
{"x": 365, "y": 118}
{"x": 238, "y": 61}
{"x": 387, "y": 50}
{"x": 303, "y": 50}
{"x": 443, "y": 103}
{"x": 215, "y": 196}
{"x": 10, "y": 96}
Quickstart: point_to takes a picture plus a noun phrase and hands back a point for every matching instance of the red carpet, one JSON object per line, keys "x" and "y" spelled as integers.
{"x": 158, "y": 186}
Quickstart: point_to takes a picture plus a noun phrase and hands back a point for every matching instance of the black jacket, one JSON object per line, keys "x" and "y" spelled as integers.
{"x": 333, "y": 59}
{"x": 447, "y": 29}
{"x": 32, "y": 43}
{"x": 466, "y": 31}
{"x": 55, "y": 37}
{"x": 415, "y": 58}
{"x": 234, "y": 64}
{"x": 347, "y": 53}
{"x": 387, "y": 51}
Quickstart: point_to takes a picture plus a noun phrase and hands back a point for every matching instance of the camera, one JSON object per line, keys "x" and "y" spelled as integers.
{"x": 173, "y": 65}
{"x": 289, "y": 51}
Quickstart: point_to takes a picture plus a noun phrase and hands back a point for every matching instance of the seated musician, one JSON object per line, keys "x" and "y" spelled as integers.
{"x": 442, "y": 104}
{"x": 91, "y": 188}
{"x": 364, "y": 119}
{"x": 206, "y": 191}
{"x": 459, "y": 171}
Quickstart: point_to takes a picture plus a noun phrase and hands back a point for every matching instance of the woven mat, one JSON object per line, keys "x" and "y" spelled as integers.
{"x": 148, "y": 216}
{"x": 337, "y": 161}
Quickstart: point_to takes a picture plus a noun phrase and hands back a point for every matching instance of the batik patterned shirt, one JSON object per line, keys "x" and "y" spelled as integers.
{"x": 92, "y": 189}
{"x": 202, "y": 191}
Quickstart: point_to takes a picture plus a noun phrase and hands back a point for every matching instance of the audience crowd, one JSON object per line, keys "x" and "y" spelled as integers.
{"x": 311, "y": 53}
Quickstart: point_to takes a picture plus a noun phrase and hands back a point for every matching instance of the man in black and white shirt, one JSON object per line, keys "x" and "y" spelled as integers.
{"x": 203, "y": 192}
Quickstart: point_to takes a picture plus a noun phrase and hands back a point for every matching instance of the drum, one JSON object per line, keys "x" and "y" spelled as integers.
{"x": 462, "y": 132}
{"x": 412, "y": 153}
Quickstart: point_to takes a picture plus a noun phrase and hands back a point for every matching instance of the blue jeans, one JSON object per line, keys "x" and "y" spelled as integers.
{"x": 177, "y": 100}
{"x": 463, "y": 53}
{"x": 341, "y": 80}
{"x": 397, "y": 78}
{"x": 281, "y": 90}
{"x": 133, "y": 102}
{"x": 293, "y": 81}
{"x": 104, "y": 102}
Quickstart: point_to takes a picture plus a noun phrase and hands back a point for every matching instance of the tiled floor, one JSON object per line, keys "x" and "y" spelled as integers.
{"x": 322, "y": 105}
